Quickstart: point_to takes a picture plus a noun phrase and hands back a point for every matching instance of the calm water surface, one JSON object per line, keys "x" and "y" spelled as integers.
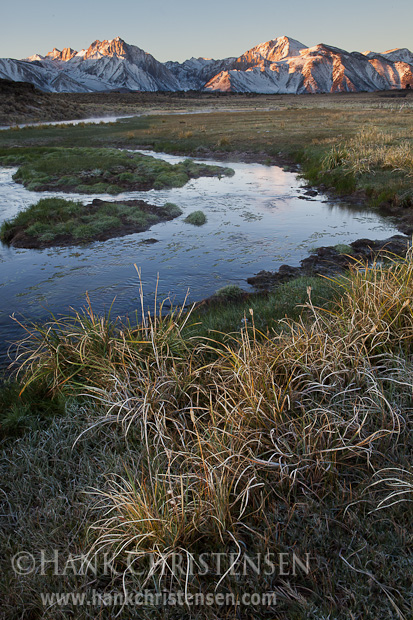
{"x": 257, "y": 220}
{"x": 77, "y": 121}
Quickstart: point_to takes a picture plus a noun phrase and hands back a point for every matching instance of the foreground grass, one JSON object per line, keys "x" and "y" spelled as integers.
{"x": 265, "y": 442}
{"x": 267, "y": 437}
{"x": 230, "y": 308}
{"x": 55, "y": 221}
{"x": 97, "y": 171}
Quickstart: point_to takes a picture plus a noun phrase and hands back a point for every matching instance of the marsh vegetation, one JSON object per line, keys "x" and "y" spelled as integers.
{"x": 177, "y": 434}
{"x": 352, "y": 143}
{"x": 56, "y": 221}
{"x": 263, "y": 442}
{"x": 196, "y": 218}
{"x": 100, "y": 171}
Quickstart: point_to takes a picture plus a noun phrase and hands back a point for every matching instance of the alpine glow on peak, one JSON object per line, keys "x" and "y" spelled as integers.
{"x": 281, "y": 65}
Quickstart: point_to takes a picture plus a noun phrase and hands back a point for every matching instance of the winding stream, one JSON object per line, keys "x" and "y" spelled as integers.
{"x": 258, "y": 219}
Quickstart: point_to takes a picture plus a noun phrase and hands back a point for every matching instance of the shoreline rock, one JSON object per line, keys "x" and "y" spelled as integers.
{"x": 328, "y": 261}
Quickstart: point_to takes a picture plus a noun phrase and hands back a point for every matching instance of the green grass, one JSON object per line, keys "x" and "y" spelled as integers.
{"x": 32, "y": 409}
{"x": 377, "y": 161}
{"x": 172, "y": 209}
{"x": 196, "y": 218}
{"x": 230, "y": 291}
{"x": 287, "y": 300}
{"x": 56, "y": 221}
{"x": 87, "y": 170}
{"x": 343, "y": 248}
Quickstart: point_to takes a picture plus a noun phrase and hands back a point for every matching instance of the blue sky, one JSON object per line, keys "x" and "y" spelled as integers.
{"x": 176, "y": 30}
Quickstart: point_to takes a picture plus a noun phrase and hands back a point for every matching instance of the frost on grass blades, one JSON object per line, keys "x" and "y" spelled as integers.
{"x": 287, "y": 433}
{"x": 225, "y": 443}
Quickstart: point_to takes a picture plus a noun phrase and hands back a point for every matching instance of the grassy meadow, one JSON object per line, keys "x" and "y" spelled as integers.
{"x": 352, "y": 143}
{"x": 133, "y": 450}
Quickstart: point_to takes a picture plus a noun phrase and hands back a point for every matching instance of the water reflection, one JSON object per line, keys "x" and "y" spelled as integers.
{"x": 92, "y": 120}
{"x": 255, "y": 220}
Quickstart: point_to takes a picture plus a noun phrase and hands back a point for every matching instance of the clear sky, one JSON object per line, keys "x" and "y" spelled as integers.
{"x": 179, "y": 29}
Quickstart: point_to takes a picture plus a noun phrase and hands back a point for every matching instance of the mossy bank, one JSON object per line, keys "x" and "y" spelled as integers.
{"x": 55, "y": 221}
{"x": 99, "y": 171}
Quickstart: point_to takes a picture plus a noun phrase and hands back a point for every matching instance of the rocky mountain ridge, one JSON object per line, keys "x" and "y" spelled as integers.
{"x": 282, "y": 65}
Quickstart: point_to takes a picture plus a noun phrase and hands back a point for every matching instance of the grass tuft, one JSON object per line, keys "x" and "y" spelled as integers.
{"x": 196, "y": 218}
{"x": 97, "y": 170}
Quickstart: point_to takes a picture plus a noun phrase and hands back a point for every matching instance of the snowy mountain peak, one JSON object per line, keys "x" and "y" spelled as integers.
{"x": 281, "y": 65}
{"x": 34, "y": 58}
{"x": 279, "y": 48}
{"x": 269, "y": 52}
{"x": 400, "y": 50}
{"x": 113, "y": 47}
{"x": 398, "y": 54}
{"x": 55, "y": 53}
{"x": 66, "y": 54}
{"x": 322, "y": 49}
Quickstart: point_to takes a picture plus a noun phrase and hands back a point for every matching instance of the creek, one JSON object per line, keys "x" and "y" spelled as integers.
{"x": 258, "y": 219}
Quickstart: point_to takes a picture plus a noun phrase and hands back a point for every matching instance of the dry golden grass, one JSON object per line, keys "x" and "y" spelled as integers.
{"x": 346, "y": 141}
{"x": 225, "y": 429}
{"x": 372, "y": 150}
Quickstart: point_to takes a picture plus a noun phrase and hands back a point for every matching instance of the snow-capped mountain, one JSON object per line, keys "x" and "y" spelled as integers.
{"x": 105, "y": 65}
{"x": 282, "y": 65}
{"x": 194, "y": 73}
{"x": 321, "y": 68}
{"x": 396, "y": 55}
{"x": 265, "y": 54}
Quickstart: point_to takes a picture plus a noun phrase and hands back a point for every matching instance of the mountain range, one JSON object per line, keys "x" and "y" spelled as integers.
{"x": 282, "y": 65}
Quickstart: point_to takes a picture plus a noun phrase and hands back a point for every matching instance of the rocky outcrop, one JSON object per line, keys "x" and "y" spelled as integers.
{"x": 66, "y": 54}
